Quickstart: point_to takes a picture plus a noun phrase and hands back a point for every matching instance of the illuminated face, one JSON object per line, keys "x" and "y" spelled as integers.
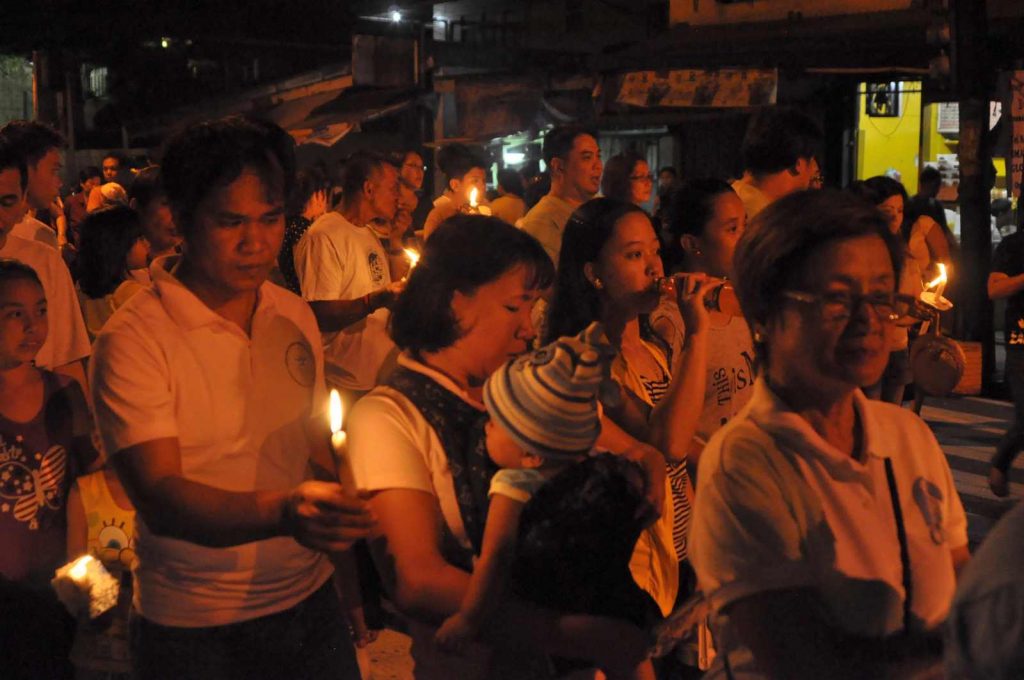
{"x": 12, "y": 201}
{"x": 717, "y": 243}
{"x": 629, "y": 265}
{"x": 44, "y": 180}
{"x": 413, "y": 170}
{"x": 461, "y": 188}
{"x": 158, "y": 226}
{"x": 23, "y": 322}
{"x": 582, "y": 168}
{"x": 383, "y": 193}
{"x": 893, "y": 209}
{"x": 111, "y": 166}
{"x": 494, "y": 322}
{"x": 640, "y": 183}
{"x": 237, "y": 232}
{"x": 806, "y": 349}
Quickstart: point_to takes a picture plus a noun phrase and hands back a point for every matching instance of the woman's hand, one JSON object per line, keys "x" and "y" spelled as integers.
{"x": 691, "y": 289}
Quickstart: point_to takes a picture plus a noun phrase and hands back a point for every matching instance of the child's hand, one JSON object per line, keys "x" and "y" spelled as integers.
{"x": 454, "y": 634}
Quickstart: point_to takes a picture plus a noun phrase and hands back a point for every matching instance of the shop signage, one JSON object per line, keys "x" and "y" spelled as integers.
{"x": 1017, "y": 113}
{"x": 694, "y": 87}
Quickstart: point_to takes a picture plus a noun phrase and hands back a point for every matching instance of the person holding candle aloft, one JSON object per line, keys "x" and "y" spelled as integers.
{"x": 464, "y": 169}
{"x": 417, "y": 448}
{"x": 209, "y": 394}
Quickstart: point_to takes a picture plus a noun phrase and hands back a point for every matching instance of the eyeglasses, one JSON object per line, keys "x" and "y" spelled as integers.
{"x": 642, "y": 178}
{"x": 839, "y": 306}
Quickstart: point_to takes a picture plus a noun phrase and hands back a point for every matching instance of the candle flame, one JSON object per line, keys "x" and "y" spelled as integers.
{"x": 940, "y": 279}
{"x": 335, "y": 411}
{"x": 414, "y": 257}
{"x": 80, "y": 567}
{"x": 473, "y": 194}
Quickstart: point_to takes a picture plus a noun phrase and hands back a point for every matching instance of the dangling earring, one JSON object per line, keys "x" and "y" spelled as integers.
{"x": 758, "y": 337}
{"x": 697, "y": 251}
{"x": 598, "y": 284}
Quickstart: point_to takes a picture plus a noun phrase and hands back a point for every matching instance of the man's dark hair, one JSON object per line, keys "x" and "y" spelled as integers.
{"x": 107, "y": 237}
{"x": 10, "y": 158}
{"x": 207, "y": 156}
{"x": 785, "y": 237}
{"x": 930, "y": 175}
{"x": 31, "y": 140}
{"x": 777, "y": 138}
{"x": 558, "y": 143}
{"x": 512, "y": 182}
{"x": 146, "y": 187}
{"x": 670, "y": 170}
{"x": 117, "y": 156}
{"x": 455, "y": 160}
{"x": 89, "y": 172}
{"x": 466, "y": 252}
{"x": 358, "y": 170}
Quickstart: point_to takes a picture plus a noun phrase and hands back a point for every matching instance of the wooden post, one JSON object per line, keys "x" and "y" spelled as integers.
{"x": 973, "y": 84}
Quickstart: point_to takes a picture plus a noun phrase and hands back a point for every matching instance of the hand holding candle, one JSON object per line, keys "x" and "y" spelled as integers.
{"x": 339, "y": 445}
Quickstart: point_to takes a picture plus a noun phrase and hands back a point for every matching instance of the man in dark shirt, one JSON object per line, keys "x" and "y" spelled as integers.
{"x": 1007, "y": 281}
{"x": 925, "y": 202}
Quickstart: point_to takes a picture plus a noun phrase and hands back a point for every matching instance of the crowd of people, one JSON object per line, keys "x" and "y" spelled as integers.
{"x": 578, "y": 437}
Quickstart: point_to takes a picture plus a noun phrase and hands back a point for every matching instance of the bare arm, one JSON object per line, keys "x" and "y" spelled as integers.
{"x": 78, "y": 530}
{"x": 935, "y": 239}
{"x": 335, "y": 315}
{"x": 317, "y": 514}
{"x": 1001, "y": 285}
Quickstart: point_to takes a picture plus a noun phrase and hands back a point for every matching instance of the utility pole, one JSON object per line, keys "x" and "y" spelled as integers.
{"x": 973, "y": 85}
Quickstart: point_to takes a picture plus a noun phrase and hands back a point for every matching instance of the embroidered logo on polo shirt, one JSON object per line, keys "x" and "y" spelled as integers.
{"x": 300, "y": 363}
{"x": 929, "y": 501}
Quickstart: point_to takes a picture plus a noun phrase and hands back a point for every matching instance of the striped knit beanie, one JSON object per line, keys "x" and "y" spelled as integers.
{"x": 547, "y": 400}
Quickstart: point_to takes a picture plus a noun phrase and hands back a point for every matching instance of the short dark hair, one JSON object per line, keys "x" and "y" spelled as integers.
{"x": 146, "y": 187}
{"x": 466, "y": 252}
{"x": 10, "y": 158}
{"x": 929, "y": 175}
{"x": 455, "y": 160}
{"x": 87, "y": 173}
{"x": 512, "y": 182}
{"x": 617, "y": 171}
{"x": 31, "y": 139}
{"x": 358, "y": 169}
{"x": 16, "y": 270}
{"x": 558, "y": 142}
{"x": 308, "y": 181}
{"x": 776, "y": 138}
{"x": 117, "y": 156}
{"x": 106, "y": 237}
{"x": 773, "y": 253}
{"x": 576, "y": 302}
{"x": 209, "y": 155}
{"x": 670, "y": 170}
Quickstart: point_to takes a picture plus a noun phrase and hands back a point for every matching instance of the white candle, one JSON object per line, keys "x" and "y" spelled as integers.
{"x": 473, "y": 195}
{"x": 79, "y": 571}
{"x": 339, "y": 444}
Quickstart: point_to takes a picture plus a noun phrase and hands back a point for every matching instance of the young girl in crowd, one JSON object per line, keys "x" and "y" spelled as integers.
{"x": 544, "y": 419}
{"x": 705, "y": 220}
{"x": 101, "y": 523}
{"x": 464, "y": 169}
{"x": 112, "y": 259}
{"x": 45, "y": 443}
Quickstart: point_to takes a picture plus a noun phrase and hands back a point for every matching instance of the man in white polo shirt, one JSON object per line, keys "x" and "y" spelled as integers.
{"x": 344, "y": 273}
{"x": 209, "y": 398}
{"x": 40, "y": 147}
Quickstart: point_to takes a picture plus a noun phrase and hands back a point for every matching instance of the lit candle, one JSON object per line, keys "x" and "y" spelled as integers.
{"x": 339, "y": 444}
{"x": 414, "y": 257}
{"x": 941, "y": 282}
{"x": 79, "y": 571}
{"x": 474, "y": 193}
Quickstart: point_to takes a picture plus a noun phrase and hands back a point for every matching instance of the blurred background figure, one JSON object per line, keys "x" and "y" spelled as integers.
{"x": 627, "y": 177}
{"x": 465, "y": 170}
{"x": 147, "y": 197}
{"x": 106, "y": 195}
{"x": 509, "y": 205}
{"x": 307, "y": 202}
{"x": 75, "y": 205}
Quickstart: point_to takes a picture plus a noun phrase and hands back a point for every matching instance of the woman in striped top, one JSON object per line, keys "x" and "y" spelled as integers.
{"x": 609, "y": 270}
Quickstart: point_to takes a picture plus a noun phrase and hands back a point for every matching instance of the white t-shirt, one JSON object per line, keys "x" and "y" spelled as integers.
{"x": 730, "y": 376}
{"x": 167, "y": 366}
{"x": 32, "y": 229}
{"x": 754, "y": 200}
{"x": 67, "y": 339}
{"x": 336, "y": 260}
{"x": 780, "y": 508}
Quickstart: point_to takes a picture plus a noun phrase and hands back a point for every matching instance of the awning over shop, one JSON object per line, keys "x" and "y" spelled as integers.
{"x": 330, "y": 120}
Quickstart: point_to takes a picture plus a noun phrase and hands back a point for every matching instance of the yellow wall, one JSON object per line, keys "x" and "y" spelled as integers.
{"x": 884, "y": 143}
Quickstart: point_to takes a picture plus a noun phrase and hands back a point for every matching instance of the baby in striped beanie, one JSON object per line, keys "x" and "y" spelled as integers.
{"x": 544, "y": 418}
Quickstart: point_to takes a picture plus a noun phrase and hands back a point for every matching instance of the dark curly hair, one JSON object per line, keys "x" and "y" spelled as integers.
{"x": 466, "y": 252}
{"x": 208, "y": 156}
{"x": 106, "y": 237}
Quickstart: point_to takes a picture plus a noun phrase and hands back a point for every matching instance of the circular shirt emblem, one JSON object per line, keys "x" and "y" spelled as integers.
{"x": 300, "y": 363}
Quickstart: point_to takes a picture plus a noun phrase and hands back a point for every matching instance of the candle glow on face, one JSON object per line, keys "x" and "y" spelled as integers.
{"x": 334, "y": 408}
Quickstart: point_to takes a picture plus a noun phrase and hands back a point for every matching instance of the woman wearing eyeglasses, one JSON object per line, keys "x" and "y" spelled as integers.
{"x": 627, "y": 177}
{"x": 827, "y": 529}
